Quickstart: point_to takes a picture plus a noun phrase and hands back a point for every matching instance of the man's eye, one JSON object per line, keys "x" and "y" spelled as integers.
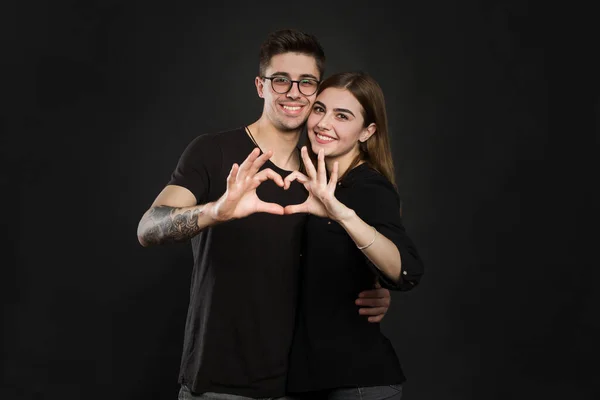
{"x": 280, "y": 80}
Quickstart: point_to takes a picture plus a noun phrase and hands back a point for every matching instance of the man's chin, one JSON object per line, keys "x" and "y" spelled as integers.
{"x": 289, "y": 126}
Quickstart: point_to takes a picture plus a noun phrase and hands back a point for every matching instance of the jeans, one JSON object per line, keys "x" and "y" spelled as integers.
{"x": 186, "y": 394}
{"x": 385, "y": 392}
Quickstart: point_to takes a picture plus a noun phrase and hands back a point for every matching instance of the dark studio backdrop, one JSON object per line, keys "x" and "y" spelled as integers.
{"x": 493, "y": 108}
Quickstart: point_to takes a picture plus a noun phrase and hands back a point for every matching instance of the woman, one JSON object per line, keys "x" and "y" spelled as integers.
{"x": 353, "y": 238}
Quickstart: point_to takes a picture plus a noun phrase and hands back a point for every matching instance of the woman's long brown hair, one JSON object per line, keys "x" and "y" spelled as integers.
{"x": 376, "y": 150}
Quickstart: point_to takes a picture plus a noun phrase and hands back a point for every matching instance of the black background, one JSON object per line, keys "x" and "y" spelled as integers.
{"x": 493, "y": 108}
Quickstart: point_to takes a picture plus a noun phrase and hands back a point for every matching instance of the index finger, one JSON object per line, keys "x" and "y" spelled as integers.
{"x": 265, "y": 174}
{"x": 373, "y": 293}
{"x": 369, "y": 303}
{"x": 296, "y": 175}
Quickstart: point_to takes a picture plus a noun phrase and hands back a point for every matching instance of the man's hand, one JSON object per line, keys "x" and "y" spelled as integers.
{"x": 374, "y": 303}
{"x": 240, "y": 199}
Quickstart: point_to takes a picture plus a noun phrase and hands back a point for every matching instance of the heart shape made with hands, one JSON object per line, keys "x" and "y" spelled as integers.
{"x": 241, "y": 199}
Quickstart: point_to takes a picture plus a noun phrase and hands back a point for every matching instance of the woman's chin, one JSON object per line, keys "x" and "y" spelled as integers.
{"x": 314, "y": 146}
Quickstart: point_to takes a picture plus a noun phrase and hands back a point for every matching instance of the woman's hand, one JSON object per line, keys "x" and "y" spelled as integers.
{"x": 321, "y": 199}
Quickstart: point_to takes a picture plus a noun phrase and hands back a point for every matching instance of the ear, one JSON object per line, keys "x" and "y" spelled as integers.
{"x": 368, "y": 132}
{"x": 260, "y": 85}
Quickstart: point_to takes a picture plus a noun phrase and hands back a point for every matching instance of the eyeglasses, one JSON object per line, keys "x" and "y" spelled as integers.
{"x": 282, "y": 85}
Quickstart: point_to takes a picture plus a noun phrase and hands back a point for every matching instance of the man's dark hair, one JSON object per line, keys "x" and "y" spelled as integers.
{"x": 290, "y": 40}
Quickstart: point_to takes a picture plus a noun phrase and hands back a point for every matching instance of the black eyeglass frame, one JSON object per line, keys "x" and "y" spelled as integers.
{"x": 292, "y": 84}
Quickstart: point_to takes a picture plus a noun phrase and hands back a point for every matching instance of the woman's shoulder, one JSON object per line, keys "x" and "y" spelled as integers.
{"x": 366, "y": 185}
{"x": 366, "y": 176}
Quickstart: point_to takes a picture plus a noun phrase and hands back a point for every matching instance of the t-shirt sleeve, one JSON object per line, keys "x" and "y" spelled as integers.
{"x": 196, "y": 166}
{"x": 377, "y": 203}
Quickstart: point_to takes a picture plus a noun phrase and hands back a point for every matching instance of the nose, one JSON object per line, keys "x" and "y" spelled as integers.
{"x": 294, "y": 91}
{"x": 325, "y": 123}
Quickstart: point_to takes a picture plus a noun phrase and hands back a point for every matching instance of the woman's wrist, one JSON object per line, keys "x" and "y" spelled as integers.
{"x": 345, "y": 217}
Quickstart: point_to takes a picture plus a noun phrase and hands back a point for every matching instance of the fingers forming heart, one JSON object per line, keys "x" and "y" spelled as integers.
{"x": 296, "y": 175}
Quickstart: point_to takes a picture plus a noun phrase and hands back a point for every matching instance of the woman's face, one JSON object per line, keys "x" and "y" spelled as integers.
{"x": 335, "y": 125}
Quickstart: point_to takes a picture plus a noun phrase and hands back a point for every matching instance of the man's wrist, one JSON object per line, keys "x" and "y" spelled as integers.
{"x": 216, "y": 210}
{"x": 212, "y": 211}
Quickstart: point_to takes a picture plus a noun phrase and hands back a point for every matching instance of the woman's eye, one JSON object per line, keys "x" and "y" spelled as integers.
{"x": 342, "y": 116}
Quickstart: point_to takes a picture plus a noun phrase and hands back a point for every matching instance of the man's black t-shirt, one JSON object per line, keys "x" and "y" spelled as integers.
{"x": 334, "y": 346}
{"x": 243, "y": 292}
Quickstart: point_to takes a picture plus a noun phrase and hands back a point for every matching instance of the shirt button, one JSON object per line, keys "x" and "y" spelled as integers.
{"x": 328, "y": 222}
{"x": 300, "y": 254}
{"x": 404, "y": 272}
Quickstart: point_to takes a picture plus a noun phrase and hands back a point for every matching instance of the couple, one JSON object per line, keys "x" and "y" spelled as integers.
{"x": 280, "y": 256}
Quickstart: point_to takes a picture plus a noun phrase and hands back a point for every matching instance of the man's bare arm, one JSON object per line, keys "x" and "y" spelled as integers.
{"x": 175, "y": 217}
{"x": 172, "y": 218}
{"x": 165, "y": 223}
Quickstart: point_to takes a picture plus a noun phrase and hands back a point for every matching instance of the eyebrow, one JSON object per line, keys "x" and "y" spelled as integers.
{"x": 344, "y": 110}
{"x": 311, "y": 76}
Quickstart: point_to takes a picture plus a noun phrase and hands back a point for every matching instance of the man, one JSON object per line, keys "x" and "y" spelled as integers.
{"x": 246, "y": 251}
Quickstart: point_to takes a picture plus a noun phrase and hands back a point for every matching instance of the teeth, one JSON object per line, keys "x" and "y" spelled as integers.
{"x": 291, "y": 108}
{"x": 329, "y": 139}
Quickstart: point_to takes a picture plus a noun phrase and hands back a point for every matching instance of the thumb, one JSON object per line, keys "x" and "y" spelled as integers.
{"x": 296, "y": 208}
{"x": 271, "y": 208}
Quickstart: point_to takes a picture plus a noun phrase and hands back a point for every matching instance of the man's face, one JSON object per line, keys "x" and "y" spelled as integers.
{"x": 288, "y": 111}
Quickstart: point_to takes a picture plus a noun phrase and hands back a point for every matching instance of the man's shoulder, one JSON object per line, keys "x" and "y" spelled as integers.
{"x": 223, "y": 138}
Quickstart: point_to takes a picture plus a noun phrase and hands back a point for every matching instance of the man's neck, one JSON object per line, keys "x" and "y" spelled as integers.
{"x": 282, "y": 143}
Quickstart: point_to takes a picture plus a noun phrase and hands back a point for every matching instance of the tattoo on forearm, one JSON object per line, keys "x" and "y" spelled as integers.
{"x": 166, "y": 225}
